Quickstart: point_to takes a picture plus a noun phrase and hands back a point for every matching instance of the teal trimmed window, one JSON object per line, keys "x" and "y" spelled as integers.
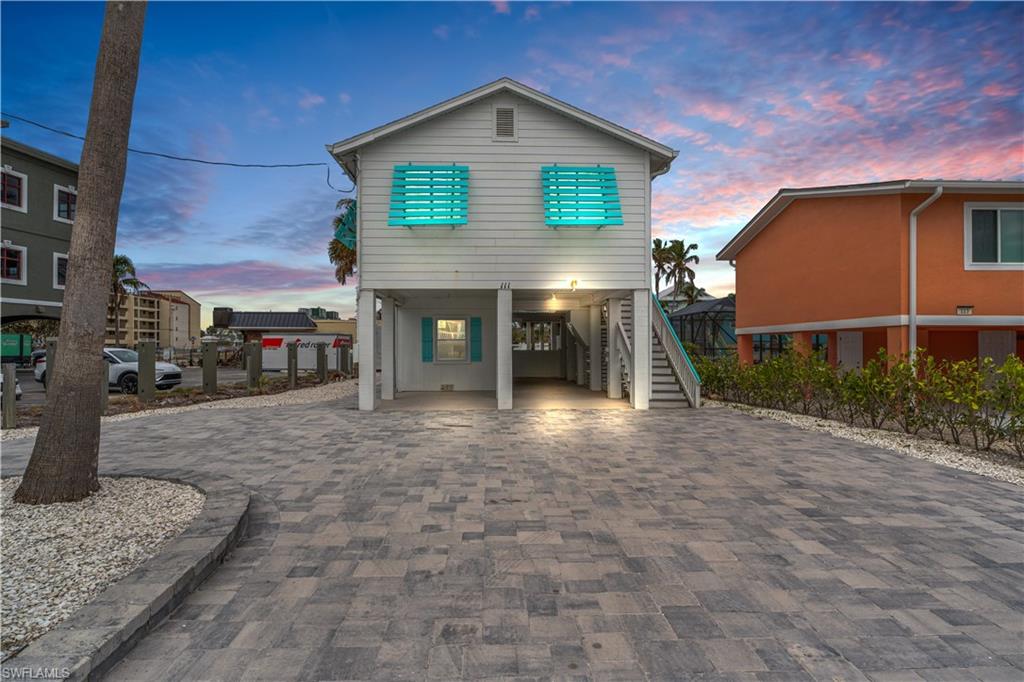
{"x": 429, "y": 195}
{"x": 581, "y": 195}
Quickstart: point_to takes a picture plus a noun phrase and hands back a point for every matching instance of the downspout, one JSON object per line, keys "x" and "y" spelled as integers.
{"x": 912, "y": 312}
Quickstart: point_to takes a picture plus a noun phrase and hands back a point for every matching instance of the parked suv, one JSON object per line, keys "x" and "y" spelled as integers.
{"x": 123, "y": 371}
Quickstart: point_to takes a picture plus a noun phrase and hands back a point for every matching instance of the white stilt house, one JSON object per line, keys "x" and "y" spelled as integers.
{"x": 504, "y": 237}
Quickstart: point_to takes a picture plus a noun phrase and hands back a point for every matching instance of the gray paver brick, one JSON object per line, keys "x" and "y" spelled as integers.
{"x": 701, "y": 545}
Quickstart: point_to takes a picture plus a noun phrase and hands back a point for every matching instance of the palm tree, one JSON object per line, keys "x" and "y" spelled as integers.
{"x": 342, "y": 256}
{"x": 680, "y": 257}
{"x": 692, "y": 293}
{"x": 65, "y": 459}
{"x": 124, "y": 282}
{"x": 660, "y": 256}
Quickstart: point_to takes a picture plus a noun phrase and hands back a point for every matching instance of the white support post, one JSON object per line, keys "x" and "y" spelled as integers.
{"x": 504, "y": 345}
{"x": 640, "y": 377}
{"x": 387, "y": 349}
{"x": 595, "y": 347}
{"x": 366, "y": 330}
{"x": 614, "y": 351}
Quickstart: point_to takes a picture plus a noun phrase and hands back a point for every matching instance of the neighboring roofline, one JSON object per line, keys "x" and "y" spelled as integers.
{"x": 785, "y": 196}
{"x": 271, "y": 329}
{"x": 166, "y": 293}
{"x": 344, "y": 149}
{"x": 38, "y": 154}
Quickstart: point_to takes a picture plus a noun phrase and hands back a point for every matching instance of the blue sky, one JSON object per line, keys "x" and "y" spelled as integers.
{"x": 755, "y": 97}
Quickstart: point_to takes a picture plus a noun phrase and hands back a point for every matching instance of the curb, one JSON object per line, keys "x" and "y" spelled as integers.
{"x": 97, "y": 636}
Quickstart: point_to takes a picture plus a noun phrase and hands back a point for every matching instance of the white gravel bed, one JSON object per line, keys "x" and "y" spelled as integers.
{"x": 57, "y": 557}
{"x": 332, "y": 391}
{"x": 994, "y": 464}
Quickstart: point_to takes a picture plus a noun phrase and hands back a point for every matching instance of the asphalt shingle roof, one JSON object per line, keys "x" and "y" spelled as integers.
{"x": 271, "y": 321}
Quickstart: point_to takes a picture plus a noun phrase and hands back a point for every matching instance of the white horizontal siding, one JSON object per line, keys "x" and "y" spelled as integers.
{"x": 506, "y": 239}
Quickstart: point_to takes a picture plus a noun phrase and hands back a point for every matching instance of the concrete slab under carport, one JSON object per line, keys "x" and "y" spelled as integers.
{"x": 528, "y": 394}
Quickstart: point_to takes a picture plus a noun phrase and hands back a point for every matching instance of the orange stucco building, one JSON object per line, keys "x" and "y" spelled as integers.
{"x": 835, "y": 267}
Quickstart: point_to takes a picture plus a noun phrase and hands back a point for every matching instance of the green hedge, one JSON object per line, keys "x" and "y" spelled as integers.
{"x": 964, "y": 402}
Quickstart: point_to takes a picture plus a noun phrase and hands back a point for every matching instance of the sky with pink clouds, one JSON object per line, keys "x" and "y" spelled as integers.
{"x": 754, "y": 96}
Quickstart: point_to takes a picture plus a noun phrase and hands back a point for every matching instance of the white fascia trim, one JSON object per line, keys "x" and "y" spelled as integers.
{"x": 56, "y": 259}
{"x": 971, "y": 320}
{"x": 829, "y": 325}
{"x": 24, "y": 192}
{"x": 27, "y": 301}
{"x": 57, "y": 189}
{"x": 969, "y": 237}
{"x": 24, "y": 265}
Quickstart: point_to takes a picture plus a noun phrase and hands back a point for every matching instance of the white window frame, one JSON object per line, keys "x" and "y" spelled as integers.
{"x": 24, "y": 265}
{"x": 515, "y": 122}
{"x": 56, "y": 259}
{"x": 24, "y": 191}
{"x": 57, "y": 189}
{"x": 437, "y": 347}
{"x": 969, "y": 206}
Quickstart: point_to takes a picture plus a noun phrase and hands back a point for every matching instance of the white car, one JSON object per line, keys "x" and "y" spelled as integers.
{"x": 123, "y": 371}
{"x": 17, "y": 386}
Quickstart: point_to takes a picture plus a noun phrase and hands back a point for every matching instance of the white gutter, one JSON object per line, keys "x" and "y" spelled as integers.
{"x": 912, "y": 312}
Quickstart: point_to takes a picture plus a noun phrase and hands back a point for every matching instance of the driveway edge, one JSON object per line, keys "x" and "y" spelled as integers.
{"x": 94, "y": 638}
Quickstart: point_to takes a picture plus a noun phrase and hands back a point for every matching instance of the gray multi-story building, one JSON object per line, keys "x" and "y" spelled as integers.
{"x": 38, "y": 209}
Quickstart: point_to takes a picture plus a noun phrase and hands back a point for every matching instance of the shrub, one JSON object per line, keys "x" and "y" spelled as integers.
{"x": 952, "y": 400}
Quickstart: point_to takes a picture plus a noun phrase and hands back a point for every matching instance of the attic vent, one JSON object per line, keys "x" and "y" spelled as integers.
{"x": 505, "y": 123}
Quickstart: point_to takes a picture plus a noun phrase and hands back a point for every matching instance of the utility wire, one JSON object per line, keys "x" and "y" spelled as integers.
{"x": 172, "y": 157}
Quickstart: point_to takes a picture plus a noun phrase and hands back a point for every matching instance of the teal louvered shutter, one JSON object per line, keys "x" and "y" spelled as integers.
{"x": 429, "y": 195}
{"x": 581, "y": 195}
{"x": 427, "y": 338}
{"x": 476, "y": 342}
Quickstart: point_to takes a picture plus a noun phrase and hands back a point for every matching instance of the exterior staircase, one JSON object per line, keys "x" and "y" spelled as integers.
{"x": 667, "y": 390}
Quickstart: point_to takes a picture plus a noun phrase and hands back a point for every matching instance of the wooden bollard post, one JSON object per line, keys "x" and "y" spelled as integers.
{"x": 321, "y": 362}
{"x": 252, "y": 364}
{"x": 293, "y": 365}
{"x": 209, "y": 357}
{"x": 147, "y": 370}
{"x": 10, "y": 407}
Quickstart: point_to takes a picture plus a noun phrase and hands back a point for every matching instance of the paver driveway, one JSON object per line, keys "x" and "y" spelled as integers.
{"x": 572, "y": 544}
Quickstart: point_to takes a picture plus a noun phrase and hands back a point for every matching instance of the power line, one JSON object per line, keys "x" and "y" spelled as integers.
{"x": 187, "y": 159}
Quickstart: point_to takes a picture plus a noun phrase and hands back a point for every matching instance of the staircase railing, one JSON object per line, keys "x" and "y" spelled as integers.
{"x": 576, "y": 335}
{"x": 678, "y": 358}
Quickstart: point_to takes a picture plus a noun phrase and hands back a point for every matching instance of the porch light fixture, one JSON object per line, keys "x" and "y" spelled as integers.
{"x": 572, "y": 284}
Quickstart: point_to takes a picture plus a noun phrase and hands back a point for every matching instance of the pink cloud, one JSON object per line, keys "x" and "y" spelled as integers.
{"x": 442, "y": 31}
{"x": 310, "y": 100}
{"x": 1000, "y": 90}
{"x": 614, "y": 59}
{"x": 344, "y": 98}
{"x": 834, "y": 103}
{"x": 867, "y": 58}
{"x": 226, "y": 279}
{"x": 532, "y": 12}
{"x": 501, "y": 7}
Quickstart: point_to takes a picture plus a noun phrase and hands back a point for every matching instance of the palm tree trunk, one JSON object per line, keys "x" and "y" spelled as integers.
{"x": 65, "y": 458}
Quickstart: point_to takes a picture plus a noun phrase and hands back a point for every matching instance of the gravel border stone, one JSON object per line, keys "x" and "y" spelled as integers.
{"x": 998, "y": 465}
{"x": 58, "y": 557}
{"x": 94, "y": 638}
{"x": 335, "y": 390}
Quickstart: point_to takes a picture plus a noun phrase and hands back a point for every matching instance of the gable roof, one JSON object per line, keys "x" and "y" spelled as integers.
{"x": 270, "y": 321}
{"x": 787, "y": 195}
{"x": 661, "y": 155}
